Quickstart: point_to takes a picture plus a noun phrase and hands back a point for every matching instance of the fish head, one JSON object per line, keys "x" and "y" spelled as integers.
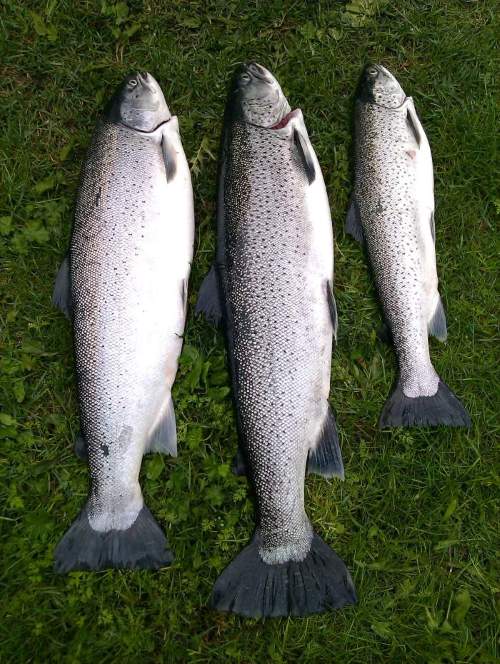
{"x": 256, "y": 97}
{"x": 138, "y": 103}
{"x": 378, "y": 86}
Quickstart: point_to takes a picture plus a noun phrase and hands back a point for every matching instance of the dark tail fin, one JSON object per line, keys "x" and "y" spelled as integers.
{"x": 252, "y": 588}
{"x": 326, "y": 458}
{"x": 442, "y": 408}
{"x": 142, "y": 546}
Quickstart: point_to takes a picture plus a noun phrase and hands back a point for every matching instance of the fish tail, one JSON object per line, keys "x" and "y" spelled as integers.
{"x": 441, "y": 408}
{"x": 141, "y": 546}
{"x": 253, "y": 588}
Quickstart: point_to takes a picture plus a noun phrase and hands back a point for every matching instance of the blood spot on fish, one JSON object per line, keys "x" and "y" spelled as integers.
{"x": 411, "y": 153}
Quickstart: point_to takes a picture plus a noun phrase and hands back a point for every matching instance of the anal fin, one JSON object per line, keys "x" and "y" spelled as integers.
{"x": 326, "y": 458}
{"x": 163, "y": 436}
{"x": 384, "y": 333}
{"x": 332, "y": 305}
{"x": 353, "y": 222}
{"x": 61, "y": 297}
{"x": 239, "y": 465}
{"x": 209, "y": 299}
{"x": 80, "y": 447}
{"x": 437, "y": 322}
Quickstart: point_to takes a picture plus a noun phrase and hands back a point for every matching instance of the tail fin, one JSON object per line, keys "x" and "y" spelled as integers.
{"x": 142, "y": 546}
{"x": 326, "y": 458}
{"x": 442, "y": 408}
{"x": 252, "y": 588}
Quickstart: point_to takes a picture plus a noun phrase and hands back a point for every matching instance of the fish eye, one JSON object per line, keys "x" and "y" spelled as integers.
{"x": 132, "y": 83}
{"x": 245, "y": 77}
{"x": 372, "y": 71}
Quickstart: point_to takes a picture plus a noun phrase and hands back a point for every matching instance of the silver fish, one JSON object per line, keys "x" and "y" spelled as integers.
{"x": 272, "y": 283}
{"x": 124, "y": 283}
{"x": 392, "y": 210}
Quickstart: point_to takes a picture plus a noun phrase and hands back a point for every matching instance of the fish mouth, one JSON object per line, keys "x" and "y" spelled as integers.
{"x": 154, "y": 93}
{"x": 286, "y": 119}
{"x": 256, "y": 97}
{"x": 258, "y": 71}
{"x": 376, "y": 86}
{"x": 147, "y": 81}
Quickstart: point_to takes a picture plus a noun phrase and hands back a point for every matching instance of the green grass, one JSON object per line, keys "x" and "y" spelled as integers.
{"x": 417, "y": 517}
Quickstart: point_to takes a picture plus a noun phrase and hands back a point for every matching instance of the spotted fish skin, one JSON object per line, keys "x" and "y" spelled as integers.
{"x": 129, "y": 264}
{"x": 386, "y": 152}
{"x": 393, "y": 211}
{"x": 280, "y": 333}
{"x": 129, "y": 269}
{"x": 275, "y": 270}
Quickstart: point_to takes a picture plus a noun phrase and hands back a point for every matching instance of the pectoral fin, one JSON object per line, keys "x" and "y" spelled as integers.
{"x": 413, "y": 124}
{"x": 304, "y": 153}
{"x": 169, "y": 157}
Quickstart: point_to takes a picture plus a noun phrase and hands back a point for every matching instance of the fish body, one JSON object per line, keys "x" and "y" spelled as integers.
{"x": 273, "y": 274}
{"x": 393, "y": 212}
{"x": 129, "y": 264}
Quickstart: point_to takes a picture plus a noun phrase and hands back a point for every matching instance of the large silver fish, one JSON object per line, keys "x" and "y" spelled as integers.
{"x": 124, "y": 283}
{"x": 272, "y": 282}
{"x": 392, "y": 209}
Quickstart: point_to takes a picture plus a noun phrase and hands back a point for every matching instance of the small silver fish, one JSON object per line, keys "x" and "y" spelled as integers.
{"x": 272, "y": 284}
{"x": 392, "y": 210}
{"x": 124, "y": 283}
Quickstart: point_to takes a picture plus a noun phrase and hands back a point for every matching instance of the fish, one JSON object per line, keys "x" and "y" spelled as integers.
{"x": 392, "y": 214}
{"x": 124, "y": 285}
{"x": 271, "y": 286}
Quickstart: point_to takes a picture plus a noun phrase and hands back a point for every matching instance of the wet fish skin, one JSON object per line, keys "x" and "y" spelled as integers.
{"x": 274, "y": 272}
{"x": 392, "y": 210}
{"x": 129, "y": 264}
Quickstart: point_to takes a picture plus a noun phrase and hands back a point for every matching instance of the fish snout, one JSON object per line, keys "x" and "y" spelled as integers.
{"x": 258, "y": 71}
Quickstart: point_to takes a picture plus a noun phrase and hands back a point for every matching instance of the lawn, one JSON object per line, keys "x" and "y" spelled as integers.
{"x": 416, "y": 519}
